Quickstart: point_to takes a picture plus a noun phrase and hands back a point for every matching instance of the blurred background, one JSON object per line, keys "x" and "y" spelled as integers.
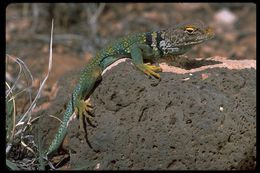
{"x": 80, "y": 30}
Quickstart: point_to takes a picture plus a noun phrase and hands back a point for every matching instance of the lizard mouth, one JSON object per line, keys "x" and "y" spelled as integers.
{"x": 201, "y": 39}
{"x": 195, "y": 42}
{"x": 191, "y": 43}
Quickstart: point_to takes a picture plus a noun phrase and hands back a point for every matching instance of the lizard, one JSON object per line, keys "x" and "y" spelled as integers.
{"x": 141, "y": 46}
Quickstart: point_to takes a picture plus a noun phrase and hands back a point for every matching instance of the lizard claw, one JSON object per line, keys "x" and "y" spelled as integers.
{"x": 150, "y": 69}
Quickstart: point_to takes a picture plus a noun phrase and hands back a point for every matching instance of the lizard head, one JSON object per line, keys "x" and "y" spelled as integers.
{"x": 183, "y": 37}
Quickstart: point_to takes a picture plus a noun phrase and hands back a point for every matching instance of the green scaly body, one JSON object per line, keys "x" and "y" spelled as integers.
{"x": 150, "y": 45}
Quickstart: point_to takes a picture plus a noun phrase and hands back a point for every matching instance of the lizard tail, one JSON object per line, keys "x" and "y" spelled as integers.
{"x": 56, "y": 142}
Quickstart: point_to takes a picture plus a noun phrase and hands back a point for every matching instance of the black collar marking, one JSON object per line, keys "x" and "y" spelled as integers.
{"x": 149, "y": 40}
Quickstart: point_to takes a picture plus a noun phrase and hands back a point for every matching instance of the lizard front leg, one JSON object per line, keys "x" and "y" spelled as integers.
{"x": 138, "y": 53}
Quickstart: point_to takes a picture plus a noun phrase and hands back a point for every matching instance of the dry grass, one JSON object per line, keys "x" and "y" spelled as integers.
{"x": 20, "y": 126}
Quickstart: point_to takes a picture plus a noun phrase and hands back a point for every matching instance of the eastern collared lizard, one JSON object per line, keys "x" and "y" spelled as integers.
{"x": 149, "y": 45}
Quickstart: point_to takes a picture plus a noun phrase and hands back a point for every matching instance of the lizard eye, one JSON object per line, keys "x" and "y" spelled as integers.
{"x": 189, "y": 29}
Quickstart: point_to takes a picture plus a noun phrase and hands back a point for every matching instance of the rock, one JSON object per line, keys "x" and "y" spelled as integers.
{"x": 182, "y": 122}
{"x": 225, "y": 17}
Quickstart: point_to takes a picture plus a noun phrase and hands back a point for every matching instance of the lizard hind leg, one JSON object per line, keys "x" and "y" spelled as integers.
{"x": 83, "y": 108}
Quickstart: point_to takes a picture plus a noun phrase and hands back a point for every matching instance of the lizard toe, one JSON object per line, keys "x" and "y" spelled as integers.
{"x": 150, "y": 70}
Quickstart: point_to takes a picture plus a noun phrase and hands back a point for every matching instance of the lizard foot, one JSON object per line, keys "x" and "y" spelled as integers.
{"x": 149, "y": 69}
{"x": 83, "y": 108}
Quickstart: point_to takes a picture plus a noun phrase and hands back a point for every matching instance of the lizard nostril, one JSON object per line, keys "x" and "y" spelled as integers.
{"x": 210, "y": 31}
